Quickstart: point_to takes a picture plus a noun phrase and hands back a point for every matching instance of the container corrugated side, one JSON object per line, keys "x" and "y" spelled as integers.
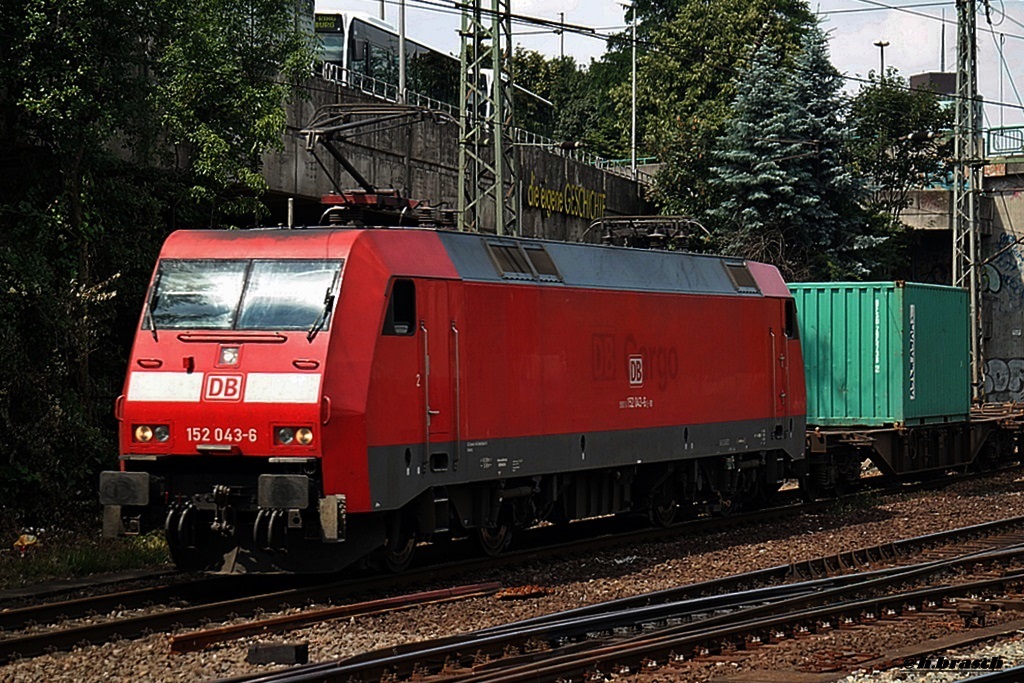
{"x": 883, "y": 353}
{"x": 846, "y": 336}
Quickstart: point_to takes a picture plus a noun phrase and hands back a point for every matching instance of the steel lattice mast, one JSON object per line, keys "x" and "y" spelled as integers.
{"x": 967, "y": 183}
{"x": 486, "y": 153}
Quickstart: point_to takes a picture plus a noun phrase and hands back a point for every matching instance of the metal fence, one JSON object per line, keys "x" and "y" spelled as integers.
{"x": 388, "y": 92}
{"x": 1005, "y": 141}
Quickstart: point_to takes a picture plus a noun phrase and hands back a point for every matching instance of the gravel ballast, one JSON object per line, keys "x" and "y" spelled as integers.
{"x": 573, "y": 581}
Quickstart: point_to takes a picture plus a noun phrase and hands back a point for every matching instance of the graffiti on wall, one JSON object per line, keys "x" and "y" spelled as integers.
{"x": 570, "y": 199}
{"x": 1003, "y": 274}
{"x": 1004, "y": 379}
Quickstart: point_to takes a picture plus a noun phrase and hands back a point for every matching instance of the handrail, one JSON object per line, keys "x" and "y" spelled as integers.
{"x": 374, "y": 87}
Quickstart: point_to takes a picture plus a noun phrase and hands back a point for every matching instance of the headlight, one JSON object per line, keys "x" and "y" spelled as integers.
{"x": 228, "y": 355}
{"x": 143, "y": 433}
{"x": 304, "y": 436}
{"x": 285, "y": 435}
{"x": 161, "y": 432}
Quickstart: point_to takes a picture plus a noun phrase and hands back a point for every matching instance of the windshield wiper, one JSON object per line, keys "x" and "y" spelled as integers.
{"x": 150, "y": 302}
{"x": 321, "y": 319}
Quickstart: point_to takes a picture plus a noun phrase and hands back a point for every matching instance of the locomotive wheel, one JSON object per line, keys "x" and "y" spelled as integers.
{"x": 663, "y": 510}
{"x": 767, "y": 493}
{"x": 398, "y": 554}
{"x": 663, "y": 514}
{"x": 192, "y": 546}
{"x": 494, "y": 540}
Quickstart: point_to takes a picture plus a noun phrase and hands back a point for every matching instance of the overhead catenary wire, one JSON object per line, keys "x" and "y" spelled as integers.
{"x": 454, "y": 7}
{"x": 652, "y": 47}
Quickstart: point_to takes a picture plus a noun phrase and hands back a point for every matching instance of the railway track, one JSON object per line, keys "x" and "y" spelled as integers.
{"x": 219, "y": 598}
{"x": 673, "y": 627}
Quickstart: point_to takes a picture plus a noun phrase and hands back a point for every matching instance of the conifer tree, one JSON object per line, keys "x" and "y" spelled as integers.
{"x": 784, "y": 194}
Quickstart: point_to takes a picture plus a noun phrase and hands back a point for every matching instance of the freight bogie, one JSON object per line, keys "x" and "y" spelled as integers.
{"x": 837, "y": 456}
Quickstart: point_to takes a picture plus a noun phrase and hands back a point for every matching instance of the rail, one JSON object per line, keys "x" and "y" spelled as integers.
{"x": 222, "y": 597}
{"x": 666, "y": 626}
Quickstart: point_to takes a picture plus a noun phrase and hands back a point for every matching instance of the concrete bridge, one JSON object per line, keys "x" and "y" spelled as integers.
{"x": 560, "y": 192}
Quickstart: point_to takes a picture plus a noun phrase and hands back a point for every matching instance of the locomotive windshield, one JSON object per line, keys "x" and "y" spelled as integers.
{"x": 242, "y": 294}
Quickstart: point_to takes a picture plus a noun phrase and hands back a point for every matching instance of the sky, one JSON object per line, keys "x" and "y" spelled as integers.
{"x": 914, "y": 35}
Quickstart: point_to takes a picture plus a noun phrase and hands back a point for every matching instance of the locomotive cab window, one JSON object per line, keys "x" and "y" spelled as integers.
{"x": 271, "y": 295}
{"x": 792, "y": 329}
{"x": 400, "y": 319}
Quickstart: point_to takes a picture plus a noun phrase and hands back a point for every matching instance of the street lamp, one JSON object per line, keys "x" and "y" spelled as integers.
{"x": 881, "y": 45}
{"x": 628, "y": 4}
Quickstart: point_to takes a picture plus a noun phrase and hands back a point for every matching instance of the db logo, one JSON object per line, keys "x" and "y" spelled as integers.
{"x": 636, "y": 371}
{"x": 223, "y": 388}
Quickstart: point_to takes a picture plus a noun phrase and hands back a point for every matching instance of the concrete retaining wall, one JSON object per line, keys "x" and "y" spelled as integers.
{"x": 559, "y": 197}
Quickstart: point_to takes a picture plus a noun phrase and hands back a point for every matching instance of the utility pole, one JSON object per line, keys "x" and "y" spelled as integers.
{"x": 561, "y": 35}
{"x": 628, "y": 4}
{"x": 486, "y": 153}
{"x": 942, "y": 43}
{"x": 967, "y": 182}
{"x": 881, "y": 45}
{"x": 401, "y": 52}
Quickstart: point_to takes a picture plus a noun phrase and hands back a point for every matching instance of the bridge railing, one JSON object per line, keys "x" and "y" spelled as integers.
{"x": 1005, "y": 141}
{"x": 374, "y": 87}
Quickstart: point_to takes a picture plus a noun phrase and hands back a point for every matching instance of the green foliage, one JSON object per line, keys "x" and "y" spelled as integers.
{"x": 687, "y": 81}
{"x": 782, "y": 191}
{"x": 900, "y": 141}
{"x": 219, "y": 88}
{"x": 67, "y": 555}
{"x": 580, "y": 111}
{"x": 118, "y": 119}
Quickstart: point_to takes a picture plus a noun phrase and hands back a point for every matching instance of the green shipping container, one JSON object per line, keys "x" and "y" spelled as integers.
{"x": 884, "y": 353}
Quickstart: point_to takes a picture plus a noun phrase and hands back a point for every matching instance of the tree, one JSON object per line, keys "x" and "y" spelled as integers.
{"x": 899, "y": 142}
{"x": 835, "y": 214}
{"x": 688, "y": 78}
{"x": 117, "y": 119}
{"x": 222, "y": 75}
{"x": 783, "y": 193}
{"x": 580, "y": 109}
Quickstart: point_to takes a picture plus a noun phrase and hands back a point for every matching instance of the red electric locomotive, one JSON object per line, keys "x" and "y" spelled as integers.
{"x": 299, "y": 400}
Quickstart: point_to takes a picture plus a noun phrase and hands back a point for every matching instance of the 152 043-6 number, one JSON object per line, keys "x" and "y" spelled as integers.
{"x": 221, "y": 435}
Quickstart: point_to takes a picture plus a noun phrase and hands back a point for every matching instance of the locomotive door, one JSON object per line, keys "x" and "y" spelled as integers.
{"x": 435, "y": 364}
{"x": 780, "y": 332}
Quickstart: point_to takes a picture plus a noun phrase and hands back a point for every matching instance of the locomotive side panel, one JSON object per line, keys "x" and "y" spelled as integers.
{"x": 627, "y": 373}
{"x": 548, "y": 379}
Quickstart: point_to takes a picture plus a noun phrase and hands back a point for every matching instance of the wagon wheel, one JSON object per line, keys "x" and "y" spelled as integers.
{"x": 848, "y": 476}
{"x": 814, "y": 486}
{"x": 997, "y": 450}
{"x": 493, "y": 540}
